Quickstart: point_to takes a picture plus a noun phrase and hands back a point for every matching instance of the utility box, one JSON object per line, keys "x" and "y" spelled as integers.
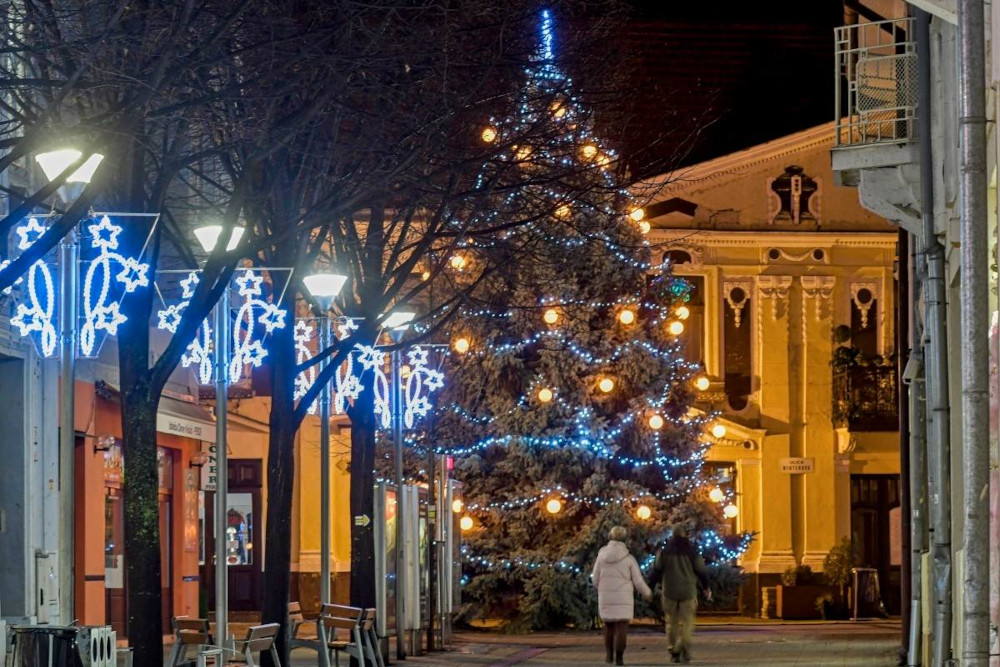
{"x": 47, "y": 587}
{"x": 55, "y": 646}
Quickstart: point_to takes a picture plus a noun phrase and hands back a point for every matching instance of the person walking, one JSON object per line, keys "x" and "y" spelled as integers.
{"x": 681, "y": 571}
{"x": 616, "y": 577}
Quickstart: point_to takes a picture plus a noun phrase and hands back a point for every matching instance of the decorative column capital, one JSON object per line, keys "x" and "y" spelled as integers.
{"x": 819, "y": 288}
{"x": 775, "y": 288}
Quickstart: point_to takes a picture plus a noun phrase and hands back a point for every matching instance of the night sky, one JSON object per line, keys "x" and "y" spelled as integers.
{"x": 716, "y": 77}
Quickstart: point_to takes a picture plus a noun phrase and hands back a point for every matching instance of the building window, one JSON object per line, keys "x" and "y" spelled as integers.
{"x": 864, "y": 319}
{"x": 738, "y": 359}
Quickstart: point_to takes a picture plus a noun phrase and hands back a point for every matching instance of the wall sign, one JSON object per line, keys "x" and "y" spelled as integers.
{"x": 186, "y": 428}
{"x": 797, "y": 466}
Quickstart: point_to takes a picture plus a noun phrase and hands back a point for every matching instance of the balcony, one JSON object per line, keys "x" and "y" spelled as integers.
{"x": 865, "y": 393}
{"x": 876, "y": 83}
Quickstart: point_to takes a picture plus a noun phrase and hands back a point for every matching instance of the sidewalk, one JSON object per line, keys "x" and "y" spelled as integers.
{"x": 872, "y": 644}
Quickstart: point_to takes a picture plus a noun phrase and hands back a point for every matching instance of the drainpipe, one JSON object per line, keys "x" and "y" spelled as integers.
{"x": 938, "y": 406}
{"x": 918, "y": 453}
{"x": 903, "y": 327}
{"x": 975, "y": 325}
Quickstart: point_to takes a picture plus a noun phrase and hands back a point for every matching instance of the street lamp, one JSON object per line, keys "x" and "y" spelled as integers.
{"x": 324, "y": 288}
{"x": 56, "y": 162}
{"x": 397, "y": 322}
{"x": 208, "y": 237}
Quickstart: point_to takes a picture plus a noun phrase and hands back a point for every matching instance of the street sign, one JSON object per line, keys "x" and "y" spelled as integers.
{"x": 362, "y": 520}
{"x": 797, "y": 466}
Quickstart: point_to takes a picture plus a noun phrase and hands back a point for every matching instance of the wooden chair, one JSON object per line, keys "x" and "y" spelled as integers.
{"x": 370, "y": 639}
{"x": 188, "y": 632}
{"x": 302, "y": 632}
{"x": 260, "y": 638}
{"x": 335, "y": 617}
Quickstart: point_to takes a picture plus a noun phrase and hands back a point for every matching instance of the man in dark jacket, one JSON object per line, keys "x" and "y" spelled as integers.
{"x": 681, "y": 572}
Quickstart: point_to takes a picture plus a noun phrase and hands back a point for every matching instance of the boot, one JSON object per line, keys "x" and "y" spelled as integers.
{"x": 610, "y": 657}
{"x": 620, "y": 658}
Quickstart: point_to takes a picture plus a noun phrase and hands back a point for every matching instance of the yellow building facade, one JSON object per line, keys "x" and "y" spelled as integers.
{"x": 792, "y": 316}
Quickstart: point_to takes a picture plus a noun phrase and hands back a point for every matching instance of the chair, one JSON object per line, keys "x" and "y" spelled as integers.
{"x": 302, "y": 632}
{"x": 188, "y": 632}
{"x": 370, "y": 639}
{"x": 334, "y": 617}
{"x": 259, "y": 638}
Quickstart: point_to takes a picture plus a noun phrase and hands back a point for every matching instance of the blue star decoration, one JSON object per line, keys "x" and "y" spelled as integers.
{"x": 109, "y": 319}
{"x": 254, "y": 353}
{"x": 189, "y": 284}
{"x": 27, "y": 320}
{"x": 104, "y": 235}
{"x": 272, "y": 318}
{"x": 29, "y": 233}
{"x": 170, "y": 318}
{"x": 249, "y": 284}
{"x": 133, "y": 274}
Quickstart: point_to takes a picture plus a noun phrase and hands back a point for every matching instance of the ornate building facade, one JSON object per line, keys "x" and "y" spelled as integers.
{"x": 792, "y": 316}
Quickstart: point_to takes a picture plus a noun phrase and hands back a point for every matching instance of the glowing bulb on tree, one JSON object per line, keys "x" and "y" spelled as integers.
{"x": 644, "y": 227}
{"x": 606, "y": 385}
{"x": 627, "y": 316}
{"x": 523, "y": 153}
{"x": 719, "y": 431}
{"x": 461, "y": 345}
{"x": 558, "y": 109}
{"x": 642, "y": 512}
{"x": 682, "y": 312}
{"x": 489, "y": 135}
{"x": 457, "y": 506}
{"x": 716, "y": 495}
{"x": 656, "y": 422}
{"x": 638, "y": 214}
{"x": 702, "y": 383}
{"x": 545, "y": 395}
{"x": 730, "y": 511}
{"x": 551, "y": 316}
{"x": 589, "y": 151}
{"x": 675, "y": 328}
{"x": 466, "y": 523}
{"x": 458, "y": 261}
{"x": 425, "y": 276}
{"x": 553, "y": 506}
{"x": 563, "y": 211}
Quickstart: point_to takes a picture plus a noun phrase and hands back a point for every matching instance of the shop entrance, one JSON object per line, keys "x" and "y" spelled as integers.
{"x": 242, "y": 549}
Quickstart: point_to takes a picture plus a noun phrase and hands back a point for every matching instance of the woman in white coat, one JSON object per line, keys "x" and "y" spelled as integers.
{"x": 616, "y": 577}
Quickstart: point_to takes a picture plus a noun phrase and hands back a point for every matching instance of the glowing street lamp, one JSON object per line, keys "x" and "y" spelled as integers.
{"x": 626, "y": 316}
{"x": 551, "y": 316}
{"x": 682, "y": 312}
{"x": 56, "y": 162}
{"x": 398, "y": 321}
{"x": 208, "y": 237}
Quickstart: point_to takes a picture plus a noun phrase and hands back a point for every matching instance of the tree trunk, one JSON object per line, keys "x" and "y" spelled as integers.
{"x": 363, "y": 500}
{"x": 142, "y": 525}
{"x": 280, "y": 478}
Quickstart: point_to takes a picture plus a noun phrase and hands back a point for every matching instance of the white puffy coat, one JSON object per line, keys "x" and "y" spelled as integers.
{"x": 616, "y": 577}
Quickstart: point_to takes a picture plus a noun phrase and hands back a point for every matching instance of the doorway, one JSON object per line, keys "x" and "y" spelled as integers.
{"x": 876, "y": 531}
{"x": 243, "y": 536}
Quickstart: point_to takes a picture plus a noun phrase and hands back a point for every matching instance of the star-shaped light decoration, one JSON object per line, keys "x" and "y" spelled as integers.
{"x": 190, "y": 284}
{"x": 104, "y": 234}
{"x": 170, "y": 317}
{"x": 10, "y": 288}
{"x": 133, "y": 274}
{"x": 250, "y": 284}
{"x": 370, "y": 357}
{"x": 29, "y": 233}
{"x": 27, "y": 320}
{"x": 345, "y": 326}
{"x": 272, "y": 318}
{"x": 109, "y": 319}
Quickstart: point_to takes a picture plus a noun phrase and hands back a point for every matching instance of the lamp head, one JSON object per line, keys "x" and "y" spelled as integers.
{"x": 397, "y": 322}
{"x": 324, "y": 287}
{"x": 56, "y": 162}
{"x": 208, "y": 237}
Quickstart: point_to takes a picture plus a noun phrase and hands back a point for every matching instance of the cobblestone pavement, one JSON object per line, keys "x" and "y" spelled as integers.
{"x": 814, "y": 644}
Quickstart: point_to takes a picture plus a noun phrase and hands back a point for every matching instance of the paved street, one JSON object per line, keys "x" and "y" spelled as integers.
{"x": 813, "y": 644}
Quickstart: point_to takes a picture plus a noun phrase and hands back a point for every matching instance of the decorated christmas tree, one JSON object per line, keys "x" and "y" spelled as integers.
{"x": 568, "y": 407}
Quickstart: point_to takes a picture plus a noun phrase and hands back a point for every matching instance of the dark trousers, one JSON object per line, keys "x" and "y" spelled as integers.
{"x": 615, "y": 637}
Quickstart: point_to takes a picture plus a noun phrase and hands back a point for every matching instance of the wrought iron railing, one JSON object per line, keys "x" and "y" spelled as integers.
{"x": 866, "y": 398}
{"x": 876, "y": 82}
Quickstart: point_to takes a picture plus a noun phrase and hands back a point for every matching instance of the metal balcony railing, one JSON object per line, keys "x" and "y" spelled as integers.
{"x": 876, "y": 83}
{"x": 866, "y": 398}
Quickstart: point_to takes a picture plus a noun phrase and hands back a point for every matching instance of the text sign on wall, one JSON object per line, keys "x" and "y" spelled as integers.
{"x": 186, "y": 428}
{"x": 797, "y": 465}
{"x": 209, "y": 471}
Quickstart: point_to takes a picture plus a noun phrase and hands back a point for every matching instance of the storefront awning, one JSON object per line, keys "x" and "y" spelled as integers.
{"x": 188, "y": 420}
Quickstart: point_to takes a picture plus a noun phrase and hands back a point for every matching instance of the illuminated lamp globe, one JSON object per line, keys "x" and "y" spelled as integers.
{"x": 642, "y": 512}
{"x": 627, "y": 316}
{"x": 730, "y": 511}
{"x": 719, "y": 431}
{"x": 324, "y": 287}
{"x": 553, "y": 506}
{"x": 702, "y": 383}
{"x": 589, "y": 151}
{"x": 682, "y": 312}
{"x": 607, "y": 385}
{"x": 644, "y": 227}
{"x": 489, "y": 134}
{"x": 675, "y": 328}
{"x": 656, "y": 422}
{"x": 208, "y": 237}
{"x": 457, "y": 505}
{"x": 545, "y": 395}
{"x": 54, "y": 163}
{"x": 461, "y": 345}
{"x": 637, "y": 214}
{"x": 458, "y": 262}
{"x": 551, "y": 316}
{"x": 466, "y": 523}
{"x": 716, "y": 495}
{"x": 398, "y": 319}
{"x": 563, "y": 211}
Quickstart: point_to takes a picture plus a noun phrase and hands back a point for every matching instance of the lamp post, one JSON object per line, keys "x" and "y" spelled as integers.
{"x": 208, "y": 237}
{"x": 324, "y": 288}
{"x": 54, "y": 163}
{"x": 397, "y": 323}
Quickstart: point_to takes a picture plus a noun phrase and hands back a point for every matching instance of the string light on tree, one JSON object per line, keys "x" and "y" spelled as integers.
{"x": 675, "y": 328}
{"x": 643, "y": 512}
{"x": 606, "y": 385}
{"x": 461, "y": 345}
{"x": 466, "y": 523}
{"x": 627, "y": 316}
{"x": 656, "y": 422}
{"x": 702, "y": 383}
{"x": 682, "y": 312}
{"x": 551, "y": 316}
{"x": 489, "y": 134}
{"x": 716, "y": 495}
{"x": 553, "y": 506}
{"x": 731, "y": 511}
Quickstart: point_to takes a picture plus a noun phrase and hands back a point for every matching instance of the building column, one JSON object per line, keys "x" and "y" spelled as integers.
{"x": 776, "y": 552}
{"x": 819, "y": 492}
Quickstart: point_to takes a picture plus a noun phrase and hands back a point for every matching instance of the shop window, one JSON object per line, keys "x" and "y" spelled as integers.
{"x": 738, "y": 360}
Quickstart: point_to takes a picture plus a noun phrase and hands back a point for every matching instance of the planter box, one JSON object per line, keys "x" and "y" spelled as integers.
{"x": 799, "y": 602}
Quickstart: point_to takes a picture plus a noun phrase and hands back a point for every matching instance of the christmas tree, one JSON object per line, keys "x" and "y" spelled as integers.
{"x": 568, "y": 407}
